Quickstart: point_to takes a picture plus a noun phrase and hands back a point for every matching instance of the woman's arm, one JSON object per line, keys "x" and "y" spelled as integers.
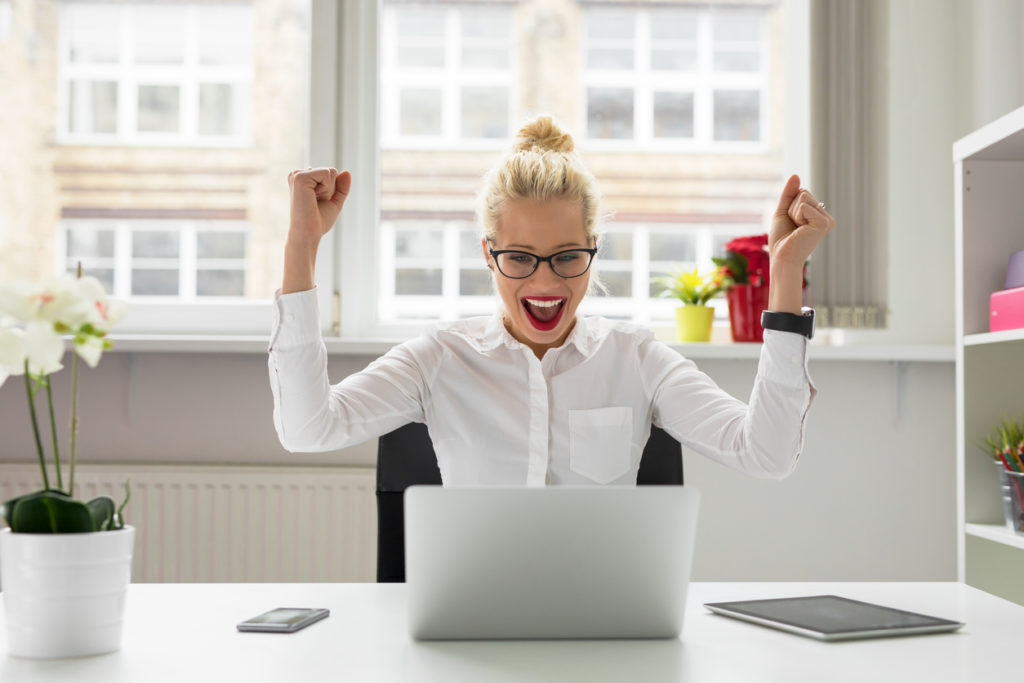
{"x": 317, "y": 195}
{"x": 798, "y": 225}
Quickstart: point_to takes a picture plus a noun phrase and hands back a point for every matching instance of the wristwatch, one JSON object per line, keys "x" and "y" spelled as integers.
{"x": 790, "y": 322}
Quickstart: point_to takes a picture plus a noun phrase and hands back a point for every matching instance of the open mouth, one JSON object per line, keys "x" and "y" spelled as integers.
{"x": 544, "y": 312}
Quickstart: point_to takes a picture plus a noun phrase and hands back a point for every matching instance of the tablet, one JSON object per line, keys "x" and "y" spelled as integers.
{"x": 830, "y": 617}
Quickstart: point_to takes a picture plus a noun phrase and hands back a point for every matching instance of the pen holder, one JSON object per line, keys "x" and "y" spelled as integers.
{"x": 1011, "y": 485}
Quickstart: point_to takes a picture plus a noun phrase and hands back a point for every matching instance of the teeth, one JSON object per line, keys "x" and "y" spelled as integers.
{"x": 544, "y": 304}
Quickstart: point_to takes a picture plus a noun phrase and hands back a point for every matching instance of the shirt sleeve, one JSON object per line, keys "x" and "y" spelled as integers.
{"x": 763, "y": 437}
{"x": 310, "y": 415}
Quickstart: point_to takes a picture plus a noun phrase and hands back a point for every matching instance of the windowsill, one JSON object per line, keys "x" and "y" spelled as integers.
{"x": 140, "y": 343}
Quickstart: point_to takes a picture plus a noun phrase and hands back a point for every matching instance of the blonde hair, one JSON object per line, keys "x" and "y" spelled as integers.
{"x": 541, "y": 166}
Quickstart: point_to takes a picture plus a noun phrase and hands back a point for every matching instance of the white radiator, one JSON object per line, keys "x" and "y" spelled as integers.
{"x": 232, "y": 524}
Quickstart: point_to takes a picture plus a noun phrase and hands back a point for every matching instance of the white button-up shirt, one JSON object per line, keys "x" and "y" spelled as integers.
{"x": 498, "y": 415}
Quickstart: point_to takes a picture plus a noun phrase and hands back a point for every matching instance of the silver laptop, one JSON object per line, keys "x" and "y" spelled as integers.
{"x": 564, "y": 562}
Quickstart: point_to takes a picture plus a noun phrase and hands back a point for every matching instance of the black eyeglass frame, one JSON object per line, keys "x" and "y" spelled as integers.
{"x": 540, "y": 259}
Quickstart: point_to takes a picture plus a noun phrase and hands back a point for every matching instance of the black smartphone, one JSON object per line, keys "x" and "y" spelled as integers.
{"x": 284, "y": 619}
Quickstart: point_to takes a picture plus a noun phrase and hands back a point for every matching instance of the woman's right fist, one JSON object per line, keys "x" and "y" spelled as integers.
{"x": 317, "y": 195}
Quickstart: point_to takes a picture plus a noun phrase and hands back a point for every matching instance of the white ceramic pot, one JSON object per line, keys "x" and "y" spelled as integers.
{"x": 64, "y": 594}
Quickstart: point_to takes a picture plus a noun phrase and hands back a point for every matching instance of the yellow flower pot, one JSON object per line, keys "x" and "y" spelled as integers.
{"x": 694, "y": 323}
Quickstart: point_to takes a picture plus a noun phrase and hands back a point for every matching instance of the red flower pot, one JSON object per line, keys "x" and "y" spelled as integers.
{"x": 745, "y": 305}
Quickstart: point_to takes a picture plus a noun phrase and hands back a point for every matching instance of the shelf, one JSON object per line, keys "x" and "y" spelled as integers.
{"x": 995, "y": 532}
{"x": 993, "y": 337}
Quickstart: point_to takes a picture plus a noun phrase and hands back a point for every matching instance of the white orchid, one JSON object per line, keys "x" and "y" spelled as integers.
{"x": 45, "y": 312}
{"x": 35, "y": 322}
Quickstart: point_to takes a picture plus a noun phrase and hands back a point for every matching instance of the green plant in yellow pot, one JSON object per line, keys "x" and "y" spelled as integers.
{"x": 694, "y": 317}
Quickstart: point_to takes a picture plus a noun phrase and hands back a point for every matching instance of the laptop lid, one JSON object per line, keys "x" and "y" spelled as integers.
{"x": 563, "y": 562}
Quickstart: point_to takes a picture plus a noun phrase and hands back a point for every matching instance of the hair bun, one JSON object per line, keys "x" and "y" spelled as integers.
{"x": 545, "y": 135}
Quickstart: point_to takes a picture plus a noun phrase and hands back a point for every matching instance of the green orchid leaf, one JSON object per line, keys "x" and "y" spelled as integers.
{"x": 102, "y": 511}
{"x": 119, "y": 518}
{"x": 49, "y": 512}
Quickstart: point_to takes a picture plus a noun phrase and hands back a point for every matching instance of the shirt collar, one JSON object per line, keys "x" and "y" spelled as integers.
{"x": 494, "y": 335}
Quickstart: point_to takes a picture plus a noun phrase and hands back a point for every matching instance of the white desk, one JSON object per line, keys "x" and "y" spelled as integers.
{"x": 186, "y": 632}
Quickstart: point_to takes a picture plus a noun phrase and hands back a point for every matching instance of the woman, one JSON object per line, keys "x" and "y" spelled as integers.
{"x": 535, "y": 394}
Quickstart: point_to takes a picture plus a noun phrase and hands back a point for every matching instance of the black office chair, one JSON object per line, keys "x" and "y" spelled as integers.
{"x": 406, "y": 457}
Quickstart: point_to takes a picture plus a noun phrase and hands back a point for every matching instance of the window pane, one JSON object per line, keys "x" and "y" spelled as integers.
{"x": 158, "y": 108}
{"x": 475, "y": 282}
{"x": 92, "y": 33}
{"x": 216, "y": 109}
{"x": 93, "y": 107}
{"x": 737, "y": 60}
{"x": 673, "y": 115}
{"x": 225, "y": 33}
{"x": 673, "y": 25}
{"x": 220, "y": 245}
{"x": 676, "y": 247}
{"x": 220, "y": 283}
{"x": 469, "y": 244}
{"x": 154, "y": 282}
{"x": 736, "y": 26}
{"x": 673, "y": 40}
{"x": 619, "y": 283}
{"x": 418, "y": 243}
{"x": 417, "y": 282}
{"x": 104, "y": 275}
{"x": 155, "y": 244}
{"x": 420, "y": 111}
{"x": 85, "y": 243}
{"x": 159, "y": 34}
{"x": 737, "y": 115}
{"x": 615, "y": 246}
{"x": 421, "y": 33}
{"x": 610, "y": 113}
{"x": 484, "y": 112}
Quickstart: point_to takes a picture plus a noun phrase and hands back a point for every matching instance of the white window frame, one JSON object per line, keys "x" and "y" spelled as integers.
{"x": 703, "y": 83}
{"x": 449, "y": 79}
{"x": 187, "y": 263}
{"x": 187, "y": 76}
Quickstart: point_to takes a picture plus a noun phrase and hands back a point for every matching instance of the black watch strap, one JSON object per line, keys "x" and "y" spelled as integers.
{"x": 790, "y": 322}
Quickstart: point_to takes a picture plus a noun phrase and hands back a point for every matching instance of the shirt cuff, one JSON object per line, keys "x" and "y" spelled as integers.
{"x": 296, "y": 319}
{"x": 784, "y": 358}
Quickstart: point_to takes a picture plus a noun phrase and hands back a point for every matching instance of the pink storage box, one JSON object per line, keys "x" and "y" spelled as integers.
{"x": 1006, "y": 310}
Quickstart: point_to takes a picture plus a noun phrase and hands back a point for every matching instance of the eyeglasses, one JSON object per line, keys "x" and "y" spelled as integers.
{"x": 522, "y": 264}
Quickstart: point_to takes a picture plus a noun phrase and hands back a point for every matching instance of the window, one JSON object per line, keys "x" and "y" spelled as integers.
{"x": 446, "y": 74}
{"x": 155, "y": 73}
{"x": 675, "y": 77}
{"x": 672, "y": 106}
{"x": 160, "y": 136}
{"x": 183, "y": 260}
{"x": 156, "y": 151}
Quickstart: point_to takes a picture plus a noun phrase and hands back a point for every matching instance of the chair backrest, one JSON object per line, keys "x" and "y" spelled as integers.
{"x": 406, "y": 457}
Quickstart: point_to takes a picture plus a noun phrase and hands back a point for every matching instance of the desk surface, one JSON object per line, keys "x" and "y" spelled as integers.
{"x": 186, "y": 632}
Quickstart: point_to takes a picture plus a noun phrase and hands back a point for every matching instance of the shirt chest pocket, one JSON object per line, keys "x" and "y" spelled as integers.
{"x": 600, "y": 442}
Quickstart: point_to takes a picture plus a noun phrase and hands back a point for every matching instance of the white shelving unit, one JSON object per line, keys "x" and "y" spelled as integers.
{"x": 989, "y": 226}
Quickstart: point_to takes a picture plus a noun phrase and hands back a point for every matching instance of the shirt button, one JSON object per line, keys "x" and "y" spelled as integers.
{"x": 795, "y": 359}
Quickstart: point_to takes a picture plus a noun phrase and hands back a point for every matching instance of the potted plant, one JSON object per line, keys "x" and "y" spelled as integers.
{"x": 1006, "y": 446}
{"x": 746, "y": 270}
{"x": 693, "y": 317}
{"x": 64, "y": 564}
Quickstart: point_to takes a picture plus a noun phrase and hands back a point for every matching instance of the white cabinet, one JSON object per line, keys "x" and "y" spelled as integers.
{"x": 989, "y": 205}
